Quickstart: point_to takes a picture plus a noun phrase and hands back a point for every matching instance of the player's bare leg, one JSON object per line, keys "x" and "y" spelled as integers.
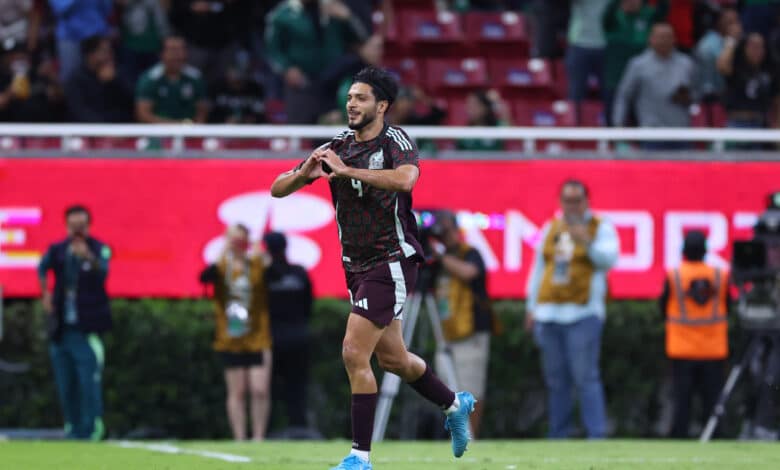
{"x": 393, "y": 356}
{"x": 360, "y": 340}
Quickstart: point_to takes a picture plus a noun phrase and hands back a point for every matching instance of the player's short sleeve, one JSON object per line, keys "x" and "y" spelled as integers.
{"x": 144, "y": 90}
{"x": 403, "y": 150}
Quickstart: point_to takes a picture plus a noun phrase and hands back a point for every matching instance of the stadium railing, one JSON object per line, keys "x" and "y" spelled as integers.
{"x": 193, "y": 139}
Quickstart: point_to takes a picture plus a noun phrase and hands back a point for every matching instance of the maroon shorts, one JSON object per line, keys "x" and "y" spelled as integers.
{"x": 379, "y": 293}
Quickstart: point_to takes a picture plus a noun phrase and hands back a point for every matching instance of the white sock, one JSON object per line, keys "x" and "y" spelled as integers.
{"x": 454, "y": 407}
{"x": 363, "y": 454}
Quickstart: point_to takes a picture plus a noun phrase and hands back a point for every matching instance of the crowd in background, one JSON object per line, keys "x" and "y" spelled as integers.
{"x": 237, "y": 61}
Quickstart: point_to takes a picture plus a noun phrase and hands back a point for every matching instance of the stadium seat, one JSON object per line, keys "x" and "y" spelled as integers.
{"x": 523, "y": 77}
{"x": 453, "y": 77}
{"x": 497, "y": 34}
{"x": 431, "y": 33}
{"x": 407, "y": 70}
{"x": 275, "y": 111}
{"x": 557, "y": 113}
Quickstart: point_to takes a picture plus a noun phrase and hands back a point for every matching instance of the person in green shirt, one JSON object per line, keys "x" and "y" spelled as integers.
{"x": 303, "y": 39}
{"x": 171, "y": 91}
{"x": 484, "y": 108}
{"x": 627, "y": 25}
{"x": 143, "y": 25}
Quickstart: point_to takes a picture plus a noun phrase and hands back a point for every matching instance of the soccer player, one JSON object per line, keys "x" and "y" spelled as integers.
{"x": 372, "y": 169}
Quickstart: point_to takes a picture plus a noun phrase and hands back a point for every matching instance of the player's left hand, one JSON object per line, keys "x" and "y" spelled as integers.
{"x": 334, "y": 162}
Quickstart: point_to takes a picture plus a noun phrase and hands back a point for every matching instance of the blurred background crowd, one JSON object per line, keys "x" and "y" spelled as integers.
{"x": 461, "y": 62}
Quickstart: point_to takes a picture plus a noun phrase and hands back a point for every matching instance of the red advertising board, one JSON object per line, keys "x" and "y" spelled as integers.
{"x": 164, "y": 218}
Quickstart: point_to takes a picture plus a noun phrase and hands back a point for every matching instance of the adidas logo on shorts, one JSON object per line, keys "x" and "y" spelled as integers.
{"x": 362, "y": 303}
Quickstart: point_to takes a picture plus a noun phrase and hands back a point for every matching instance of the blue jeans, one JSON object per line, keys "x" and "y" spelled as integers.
{"x": 69, "y": 55}
{"x": 570, "y": 362}
{"x": 581, "y": 64}
{"x": 77, "y": 362}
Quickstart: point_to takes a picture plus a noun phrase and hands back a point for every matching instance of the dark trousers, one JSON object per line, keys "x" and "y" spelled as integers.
{"x": 290, "y": 379}
{"x": 77, "y": 362}
{"x": 702, "y": 377}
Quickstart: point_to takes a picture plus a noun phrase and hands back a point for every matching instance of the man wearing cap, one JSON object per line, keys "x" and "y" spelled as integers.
{"x": 695, "y": 304}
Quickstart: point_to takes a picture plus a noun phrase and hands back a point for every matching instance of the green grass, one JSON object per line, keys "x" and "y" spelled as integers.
{"x": 504, "y": 455}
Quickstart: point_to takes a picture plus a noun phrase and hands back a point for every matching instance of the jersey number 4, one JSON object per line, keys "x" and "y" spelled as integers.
{"x": 358, "y": 185}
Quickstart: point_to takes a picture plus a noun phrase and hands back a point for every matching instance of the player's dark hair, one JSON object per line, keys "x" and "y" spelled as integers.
{"x": 382, "y": 83}
{"x": 576, "y": 183}
{"x": 91, "y": 44}
{"x": 78, "y": 209}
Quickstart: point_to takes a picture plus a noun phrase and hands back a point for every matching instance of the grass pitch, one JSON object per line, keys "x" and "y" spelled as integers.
{"x": 393, "y": 455}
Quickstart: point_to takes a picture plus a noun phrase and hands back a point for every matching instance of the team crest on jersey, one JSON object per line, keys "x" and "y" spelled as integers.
{"x": 376, "y": 161}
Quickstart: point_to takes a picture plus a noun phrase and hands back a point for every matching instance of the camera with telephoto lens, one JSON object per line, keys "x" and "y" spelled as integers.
{"x": 431, "y": 230}
{"x": 756, "y": 271}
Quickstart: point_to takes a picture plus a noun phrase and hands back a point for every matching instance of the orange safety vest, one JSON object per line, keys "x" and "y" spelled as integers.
{"x": 696, "y": 330}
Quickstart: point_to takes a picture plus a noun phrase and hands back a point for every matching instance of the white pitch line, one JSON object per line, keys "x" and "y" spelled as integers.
{"x": 171, "y": 449}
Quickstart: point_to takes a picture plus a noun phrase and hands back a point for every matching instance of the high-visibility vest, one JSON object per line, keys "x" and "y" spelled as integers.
{"x": 697, "y": 330}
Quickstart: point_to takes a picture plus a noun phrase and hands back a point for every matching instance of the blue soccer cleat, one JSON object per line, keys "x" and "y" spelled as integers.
{"x": 457, "y": 423}
{"x": 353, "y": 462}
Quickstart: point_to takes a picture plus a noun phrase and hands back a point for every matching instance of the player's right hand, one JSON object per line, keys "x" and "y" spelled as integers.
{"x": 312, "y": 168}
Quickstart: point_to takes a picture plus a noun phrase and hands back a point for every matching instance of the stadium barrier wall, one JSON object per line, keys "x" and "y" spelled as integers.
{"x": 164, "y": 218}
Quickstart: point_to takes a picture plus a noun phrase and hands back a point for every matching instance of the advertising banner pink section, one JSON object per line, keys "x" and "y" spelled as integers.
{"x": 164, "y": 219}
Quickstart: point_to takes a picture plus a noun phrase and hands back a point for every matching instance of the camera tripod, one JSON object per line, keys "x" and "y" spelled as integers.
{"x": 754, "y": 350}
{"x": 391, "y": 382}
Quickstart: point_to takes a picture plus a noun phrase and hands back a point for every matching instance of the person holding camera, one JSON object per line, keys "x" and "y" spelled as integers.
{"x": 242, "y": 331}
{"x": 695, "y": 304}
{"x": 78, "y": 311}
{"x": 463, "y": 304}
{"x": 566, "y": 309}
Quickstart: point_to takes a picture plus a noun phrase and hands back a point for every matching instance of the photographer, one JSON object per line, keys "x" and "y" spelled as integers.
{"x": 467, "y": 317}
{"x": 77, "y": 312}
{"x": 242, "y": 331}
{"x": 695, "y": 304}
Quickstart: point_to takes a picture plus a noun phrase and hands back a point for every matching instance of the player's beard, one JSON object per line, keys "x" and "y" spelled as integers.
{"x": 367, "y": 119}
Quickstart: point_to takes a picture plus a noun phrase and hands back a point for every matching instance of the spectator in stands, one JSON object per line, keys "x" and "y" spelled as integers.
{"x": 171, "y": 91}
{"x": 627, "y": 25}
{"x": 485, "y": 108}
{"x": 303, "y": 39}
{"x": 20, "y": 21}
{"x": 657, "y": 102}
{"x": 695, "y": 303}
{"x": 465, "y": 308}
{"x": 682, "y": 20}
{"x": 336, "y": 79}
{"x": 214, "y": 31}
{"x": 760, "y": 16}
{"x": 77, "y": 20}
{"x": 549, "y": 20}
{"x": 585, "y": 52}
{"x": 143, "y": 25}
{"x": 237, "y": 99}
{"x": 566, "y": 310}
{"x": 751, "y": 95}
{"x": 290, "y": 302}
{"x": 413, "y": 107}
{"x": 29, "y": 94}
{"x": 94, "y": 92}
{"x": 242, "y": 331}
{"x": 78, "y": 311}
{"x": 709, "y": 48}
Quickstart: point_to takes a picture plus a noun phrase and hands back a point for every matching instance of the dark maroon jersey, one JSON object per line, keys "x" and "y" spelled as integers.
{"x": 375, "y": 226}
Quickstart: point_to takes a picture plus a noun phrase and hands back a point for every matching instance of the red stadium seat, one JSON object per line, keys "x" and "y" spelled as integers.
{"x": 456, "y": 75}
{"x": 432, "y": 33}
{"x": 408, "y": 70}
{"x": 557, "y": 113}
{"x": 523, "y": 77}
{"x": 497, "y": 34}
{"x": 275, "y": 111}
